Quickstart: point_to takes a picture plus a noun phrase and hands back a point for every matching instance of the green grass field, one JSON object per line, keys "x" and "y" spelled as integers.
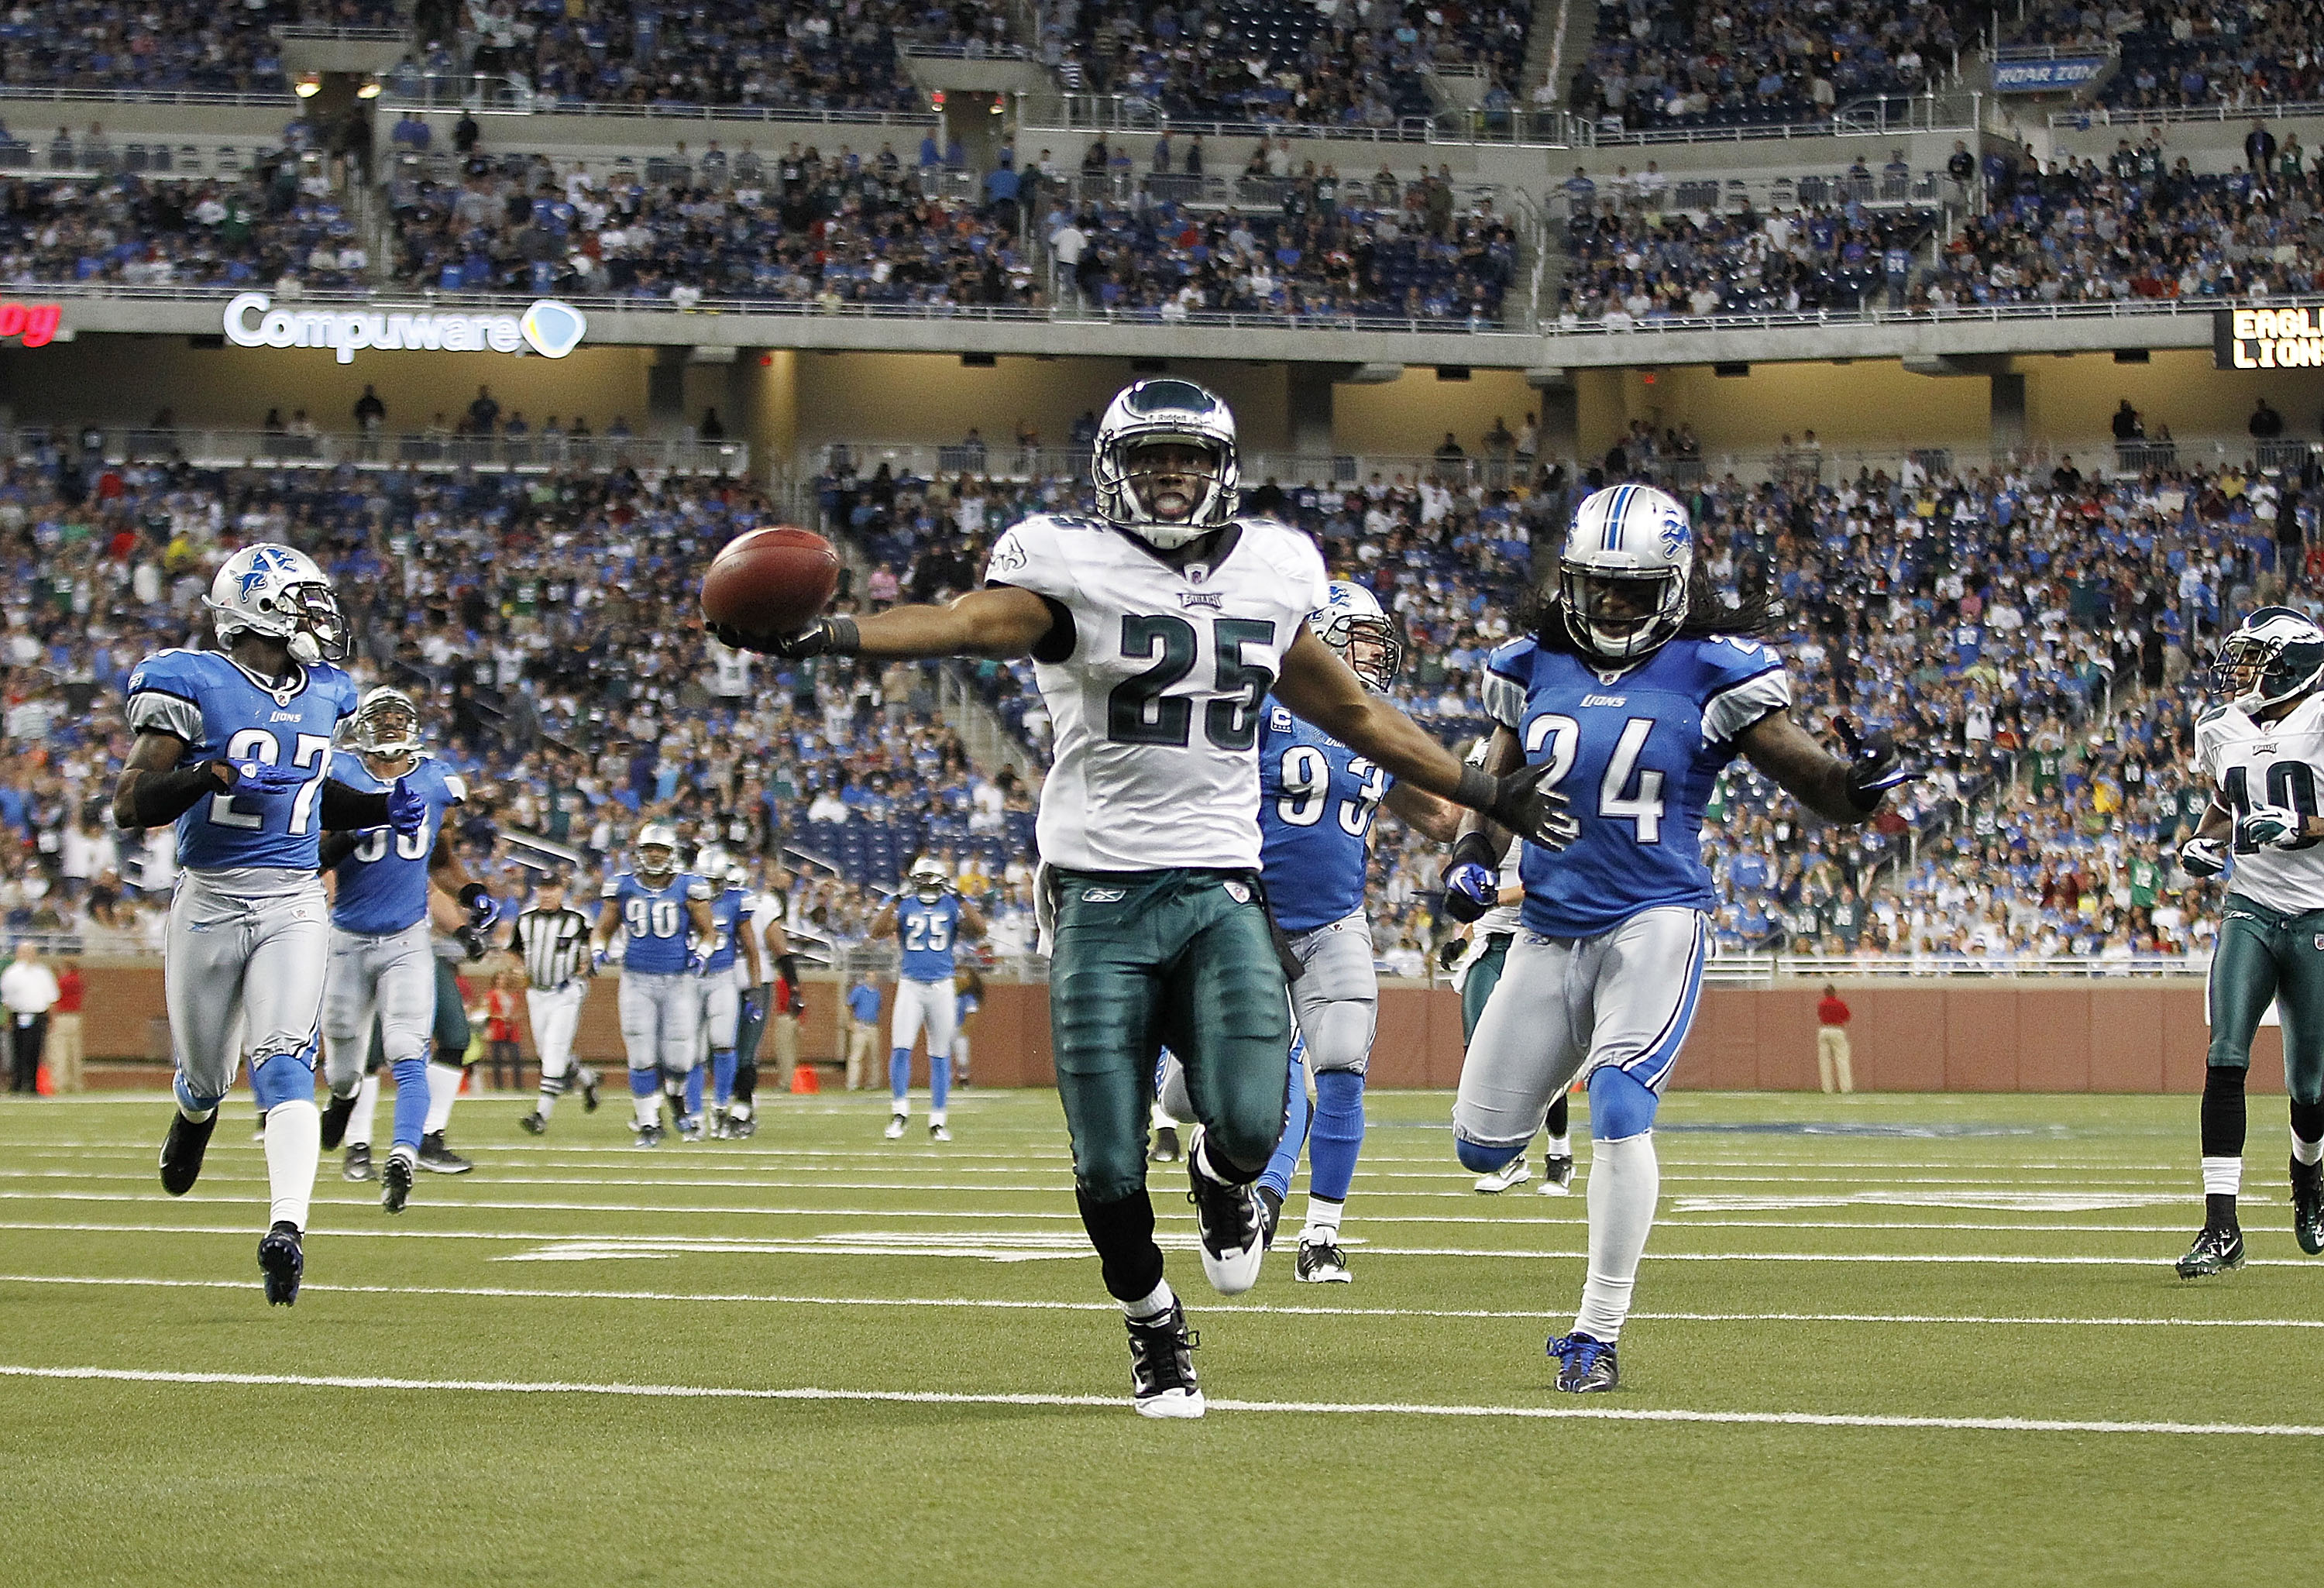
{"x": 1878, "y": 1338}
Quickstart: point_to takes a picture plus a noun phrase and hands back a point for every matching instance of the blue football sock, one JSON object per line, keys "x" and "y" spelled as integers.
{"x": 939, "y": 1080}
{"x": 899, "y": 1076}
{"x": 694, "y": 1079}
{"x": 1277, "y": 1175}
{"x": 1337, "y": 1134}
{"x": 410, "y": 1101}
{"x": 644, "y": 1083}
{"x": 721, "y": 1073}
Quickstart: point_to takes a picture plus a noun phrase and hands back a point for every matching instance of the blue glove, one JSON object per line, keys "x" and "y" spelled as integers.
{"x": 2268, "y": 826}
{"x": 753, "y": 1005}
{"x": 695, "y": 963}
{"x": 1469, "y": 891}
{"x": 602, "y": 958}
{"x": 2203, "y": 857}
{"x": 407, "y": 811}
{"x": 264, "y": 778}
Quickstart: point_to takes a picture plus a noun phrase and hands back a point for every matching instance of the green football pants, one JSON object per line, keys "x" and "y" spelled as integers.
{"x": 1484, "y": 975}
{"x": 2264, "y": 954}
{"x": 1181, "y": 956}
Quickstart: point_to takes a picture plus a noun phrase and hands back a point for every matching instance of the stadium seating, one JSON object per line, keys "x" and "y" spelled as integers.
{"x": 2182, "y": 55}
{"x": 265, "y": 226}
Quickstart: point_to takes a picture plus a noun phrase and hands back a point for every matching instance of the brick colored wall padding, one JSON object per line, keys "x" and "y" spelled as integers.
{"x": 1960, "y": 1035}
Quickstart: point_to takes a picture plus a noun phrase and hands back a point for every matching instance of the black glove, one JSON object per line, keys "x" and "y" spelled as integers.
{"x": 1449, "y": 952}
{"x": 478, "y": 899}
{"x": 1538, "y": 815}
{"x": 826, "y": 636}
{"x": 472, "y": 939}
{"x": 1874, "y": 765}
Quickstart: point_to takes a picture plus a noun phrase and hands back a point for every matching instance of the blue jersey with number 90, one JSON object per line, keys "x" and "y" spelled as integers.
{"x": 1636, "y": 750}
{"x": 224, "y": 713}
{"x": 655, "y": 921}
{"x": 1317, "y": 801}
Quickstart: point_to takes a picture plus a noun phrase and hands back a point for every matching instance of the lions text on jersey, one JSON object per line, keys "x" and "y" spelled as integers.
{"x": 1635, "y": 751}
{"x": 382, "y": 885}
{"x": 655, "y": 921}
{"x": 1316, "y": 800}
{"x": 2281, "y": 764}
{"x": 223, "y": 712}
{"x": 1154, "y": 675}
{"x": 929, "y": 934}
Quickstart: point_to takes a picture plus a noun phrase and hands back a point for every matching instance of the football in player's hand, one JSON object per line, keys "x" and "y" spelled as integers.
{"x": 770, "y": 583}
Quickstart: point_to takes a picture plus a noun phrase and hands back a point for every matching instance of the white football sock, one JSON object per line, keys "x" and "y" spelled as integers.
{"x": 546, "y": 1106}
{"x": 404, "y": 1150}
{"x": 2223, "y": 1176}
{"x": 1561, "y": 1147}
{"x": 366, "y": 1106}
{"x": 1323, "y": 1216}
{"x": 935, "y": 1116}
{"x": 1624, "y": 1180}
{"x": 443, "y": 1090}
{"x": 1157, "y": 1118}
{"x": 648, "y": 1108}
{"x": 1151, "y": 1306}
{"x": 2307, "y": 1151}
{"x": 294, "y": 1146}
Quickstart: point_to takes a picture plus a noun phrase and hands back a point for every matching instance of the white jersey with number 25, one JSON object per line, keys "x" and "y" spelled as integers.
{"x": 1154, "y": 678}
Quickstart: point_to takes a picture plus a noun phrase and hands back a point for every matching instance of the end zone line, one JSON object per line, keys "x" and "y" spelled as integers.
{"x": 1207, "y": 1309}
{"x": 1115, "y": 1404}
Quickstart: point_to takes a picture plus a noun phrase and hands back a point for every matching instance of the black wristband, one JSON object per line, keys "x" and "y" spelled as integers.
{"x": 1477, "y": 789}
{"x": 846, "y": 640}
{"x": 348, "y": 810}
{"x": 1475, "y": 848}
{"x": 787, "y": 968}
{"x": 162, "y": 798}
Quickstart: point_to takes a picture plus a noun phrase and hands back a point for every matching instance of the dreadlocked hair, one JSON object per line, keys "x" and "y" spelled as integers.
{"x": 1750, "y": 613}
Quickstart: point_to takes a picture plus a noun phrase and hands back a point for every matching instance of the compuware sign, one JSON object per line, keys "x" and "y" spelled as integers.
{"x": 548, "y": 328}
{"x": 2058, "y": 76}
{"x": 2268, "y": 338}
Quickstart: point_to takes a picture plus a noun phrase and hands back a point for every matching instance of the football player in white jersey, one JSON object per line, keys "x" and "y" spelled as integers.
{"x": 2262, "y": 755}
{"x": 1157, "y": 628}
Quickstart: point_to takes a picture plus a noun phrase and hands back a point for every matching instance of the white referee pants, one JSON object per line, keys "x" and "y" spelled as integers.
{"x": 556, "y": 1015}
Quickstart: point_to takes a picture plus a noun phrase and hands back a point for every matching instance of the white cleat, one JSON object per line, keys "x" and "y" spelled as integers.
{"x": 895, "y": 1131}
{"x": 1513, "y": 1173}
{"x": 938, "y": 1133}
{"x": 1231, "y": 1225}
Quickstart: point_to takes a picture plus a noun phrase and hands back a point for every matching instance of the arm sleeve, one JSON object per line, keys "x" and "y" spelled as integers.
{"x": 158, "y": 711}
{"x": 1027, "y": 557}
{"x": 346, "y": 810}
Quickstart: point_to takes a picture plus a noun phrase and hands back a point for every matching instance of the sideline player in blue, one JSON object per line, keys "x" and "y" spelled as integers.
{"x": 1634, "y": 689}
{"x": 929, "y": 920}
{"x": 234, "y": 747}
{"x": 664, "y": 915}
{"x": 734, "y": 950}
{"x": 383, "y": 958}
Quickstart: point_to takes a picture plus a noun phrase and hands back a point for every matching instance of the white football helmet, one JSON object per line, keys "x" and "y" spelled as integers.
{"x": 928, "y": 880}
{"x": 2274, "y": 655}
{"x": 738, "y": 879}
{"x": 657, "y": 850}
{"x": 1623, "y": 574}
{"x": 386, "y": 724}
{"x": 1353, "y": 624}
{"x": 1165, "y": 413}
{"x": 278, "y": 590}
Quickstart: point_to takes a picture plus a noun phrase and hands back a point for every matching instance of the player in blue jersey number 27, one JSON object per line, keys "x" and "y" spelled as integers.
{"x": 1636, "y": 686}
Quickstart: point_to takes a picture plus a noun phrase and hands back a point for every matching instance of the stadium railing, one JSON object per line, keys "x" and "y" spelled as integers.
{"x": 1004, "y": 460}
{"x": 2123, "y": 308}
{"x": 225, "y": 449}
{"x": 1761, "y": 969}
{"x": 11, "y": 94}
{"x": 2124, "y": 116}
{"x": 487, "y": 94}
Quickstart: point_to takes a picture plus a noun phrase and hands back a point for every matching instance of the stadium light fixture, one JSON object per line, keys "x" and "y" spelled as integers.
{"x": 369, "y": 89}
{"x": 309, "y": 85}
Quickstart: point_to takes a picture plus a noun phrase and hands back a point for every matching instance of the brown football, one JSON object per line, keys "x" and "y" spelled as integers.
{"x": 770, "y": 583}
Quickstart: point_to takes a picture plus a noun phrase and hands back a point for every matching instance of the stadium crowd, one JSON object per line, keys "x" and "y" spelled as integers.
{"x": 279, "y": 224}
{"x": 2175, "y": 53}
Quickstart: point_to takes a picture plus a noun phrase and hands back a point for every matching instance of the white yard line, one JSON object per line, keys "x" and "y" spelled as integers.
{"x": 1206, "y": 1307}
{"x": 1593, "y": 1413}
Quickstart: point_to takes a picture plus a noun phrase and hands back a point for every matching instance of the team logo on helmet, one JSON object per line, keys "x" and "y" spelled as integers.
{"x": 279, "y": 592}
{"x": 1151, "y": 415}
{"x": 2276, "y": 654}
{"x": 1354, "y": 624}
{"x": 1622, "y": 575}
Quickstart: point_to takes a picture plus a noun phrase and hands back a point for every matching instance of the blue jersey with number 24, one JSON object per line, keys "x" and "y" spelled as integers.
{"x": 1635, "y": 751}
{"x": 1317, "y": 801}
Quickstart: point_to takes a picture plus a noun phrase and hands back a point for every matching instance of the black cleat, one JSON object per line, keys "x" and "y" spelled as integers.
{"x": 181, "y": 1152}
{"x": 533, "y": 1124}
{"x": 742, "y": 1127}
{"x": 439, "y": 1158}
{"x": 1165, "y": 1146}
{"x": 1162, "y": 1365}
{"x": 395, "y": 1183}
{"x": 282, "y": 1262}
{"x": 1585, "y": 1365}
{"x": 647, "y": 1135}
{"x": 335, "y": 1114}
{"x": 588, "y": 1090}
{"x": 1556, "y": 1176}
{"x": 2215, "y": 1250}
{"x": 1229, "y": 1225}
{"x": 2308, "y": 1205}
{"x": 358, "y": 1164}
{"x": 1321, "y": 1262}
{"x": 1271, "y": 1214}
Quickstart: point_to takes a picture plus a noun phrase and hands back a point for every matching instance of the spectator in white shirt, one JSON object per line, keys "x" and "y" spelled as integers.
{"x": 28, "y": 991}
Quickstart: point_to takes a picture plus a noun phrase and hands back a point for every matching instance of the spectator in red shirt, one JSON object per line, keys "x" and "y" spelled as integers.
{"x": 502, "y": 1005}
{"x": 64, "y": 1029}
{"x": 1832, "y": 1042}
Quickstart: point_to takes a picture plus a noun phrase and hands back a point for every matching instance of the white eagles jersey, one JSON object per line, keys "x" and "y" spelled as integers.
{"x": 1154, "y": 683}
{"x": 2246, "y": 765}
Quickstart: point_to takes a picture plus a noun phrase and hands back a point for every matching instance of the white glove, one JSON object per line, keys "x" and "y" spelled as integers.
{"x": 2265, "y": 826}
{"x": 2203, "y": 857}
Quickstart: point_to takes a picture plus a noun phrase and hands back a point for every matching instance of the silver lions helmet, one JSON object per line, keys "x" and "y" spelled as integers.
{"x": 1353, "y": 624}
{"x": 1146, "y": 480}
{"x": 1622, "y": 575}
{"x": 928, "y": 880}
{"x": 657, "y": 850}
{"x": 278, "y": 591}
{"x": 386, "y": 724}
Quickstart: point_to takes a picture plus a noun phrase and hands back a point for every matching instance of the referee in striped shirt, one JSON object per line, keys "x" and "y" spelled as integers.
{"x": 552, "y": 939}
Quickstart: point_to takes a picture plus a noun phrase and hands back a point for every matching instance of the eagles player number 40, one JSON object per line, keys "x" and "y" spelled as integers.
{"x": 1140, "y": 711}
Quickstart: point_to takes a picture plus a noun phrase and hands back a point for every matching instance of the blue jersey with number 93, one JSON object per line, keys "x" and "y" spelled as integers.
{"x": 1635, "y": 751}
{"x": 1317, "y": 801}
